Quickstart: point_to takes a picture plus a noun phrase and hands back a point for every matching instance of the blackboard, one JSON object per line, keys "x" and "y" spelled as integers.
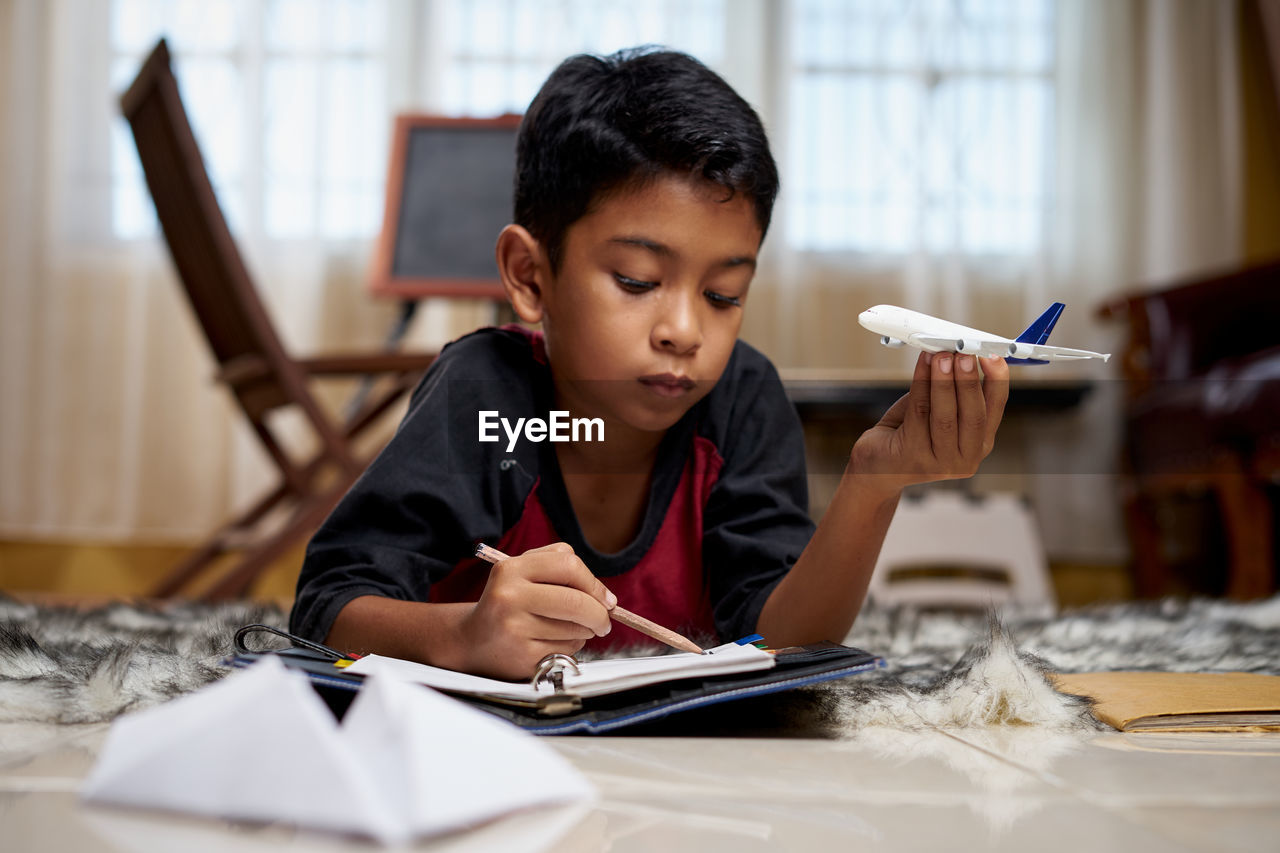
{"x": 449, "y": 193}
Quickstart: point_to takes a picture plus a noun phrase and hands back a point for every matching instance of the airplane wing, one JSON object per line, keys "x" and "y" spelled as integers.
{"x": 1048, "y": 353}
{"x": 988, "y": 348}
{"x": 984, "y": 347}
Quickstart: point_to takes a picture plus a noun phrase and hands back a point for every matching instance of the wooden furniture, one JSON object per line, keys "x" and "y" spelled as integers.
{"x": 843, "y": 394}
{"x": 1202, "y": 416}
{"x": 449, "y": 193}
{"x": 251, "y": 361}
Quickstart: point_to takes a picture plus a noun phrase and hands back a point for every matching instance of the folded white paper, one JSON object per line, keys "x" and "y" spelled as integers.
{"x": 260, "y": 745}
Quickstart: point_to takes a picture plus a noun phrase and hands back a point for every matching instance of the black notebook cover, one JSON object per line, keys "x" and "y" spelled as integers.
{"x": 795, "y": 667}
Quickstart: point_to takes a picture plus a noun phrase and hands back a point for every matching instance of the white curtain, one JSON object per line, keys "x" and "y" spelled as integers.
{"x": 110, "y": 426}
{"x": 1149, "y": 189}
{"x": 1145, "y": 181}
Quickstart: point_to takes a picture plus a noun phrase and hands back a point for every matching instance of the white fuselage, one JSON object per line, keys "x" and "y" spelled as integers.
{"x": 909, "y": 326}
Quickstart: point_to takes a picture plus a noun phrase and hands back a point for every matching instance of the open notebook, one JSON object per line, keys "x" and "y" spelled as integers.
{"x": 566, "y": 696}
{"x": 593, "y": 678}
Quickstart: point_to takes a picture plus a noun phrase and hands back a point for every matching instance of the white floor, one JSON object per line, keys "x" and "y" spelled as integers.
{"x": 1010, "y": 789}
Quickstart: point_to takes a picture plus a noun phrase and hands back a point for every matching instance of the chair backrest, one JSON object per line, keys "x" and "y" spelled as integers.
{"x": 212, "y": 271}
{"x": 1182, "y": 330}
{"x": 252, "y": 361}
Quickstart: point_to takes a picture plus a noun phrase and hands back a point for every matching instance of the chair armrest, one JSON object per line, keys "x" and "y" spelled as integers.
{"x": 357, "y": 363}
{"x": 242, "y": 370}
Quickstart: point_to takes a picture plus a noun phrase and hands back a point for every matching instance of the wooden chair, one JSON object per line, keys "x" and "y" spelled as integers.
{"x": 1202, "y": 416}
{"x": 252, "y": 362}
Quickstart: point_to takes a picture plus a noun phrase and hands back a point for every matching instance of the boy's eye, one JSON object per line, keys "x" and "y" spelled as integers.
{"x": 632, "y": 285}
{"x": 719, "y": 300}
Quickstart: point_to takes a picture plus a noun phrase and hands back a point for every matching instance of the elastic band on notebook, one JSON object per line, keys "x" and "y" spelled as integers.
{"x": 292, "y": 638}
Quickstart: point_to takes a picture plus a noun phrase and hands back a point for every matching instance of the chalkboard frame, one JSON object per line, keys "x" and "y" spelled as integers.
{"x": 383, "y": 281}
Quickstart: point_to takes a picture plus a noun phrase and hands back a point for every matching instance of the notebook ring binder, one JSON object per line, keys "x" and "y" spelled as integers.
{"x": 551, "y": 669}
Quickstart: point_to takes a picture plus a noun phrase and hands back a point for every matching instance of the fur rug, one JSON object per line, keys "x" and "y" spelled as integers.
{"x": 945, "y": 669}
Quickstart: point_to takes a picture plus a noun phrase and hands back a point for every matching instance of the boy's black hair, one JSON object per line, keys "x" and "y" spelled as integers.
{"x": 603, "y": 122}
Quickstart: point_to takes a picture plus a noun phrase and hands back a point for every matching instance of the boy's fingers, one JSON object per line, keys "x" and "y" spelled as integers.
{"x": 606, "y": 595}
{"x": 942, "y": 407}
{"x": 559, "y": 630}
{"x": 562, "y": 566}
{"x": 995, "y": 387}
{"x": 896, "y": 413}
{"x": 971, "y": 408}
{"x": 554, "y": 547}
{"x": 916, "y": 416}
{"x": 555, "y": 564}
{"x": 566, "y": 604}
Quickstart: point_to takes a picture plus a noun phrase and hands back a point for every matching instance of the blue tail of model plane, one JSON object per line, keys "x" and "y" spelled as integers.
{"x": 1038, "y": 333}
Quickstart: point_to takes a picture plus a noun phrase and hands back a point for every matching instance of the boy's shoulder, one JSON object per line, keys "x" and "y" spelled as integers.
{"x": 749, "y": 392}
{"x": 747, "y": 366}
{"x": 748, "y": 413}
{"x": 493, "y": 351}
{"x": 502, "y": 364}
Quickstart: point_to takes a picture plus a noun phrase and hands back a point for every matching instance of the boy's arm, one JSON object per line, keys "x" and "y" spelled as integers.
{"x": 819, "y": 598}
{"x": 942, "y": 429}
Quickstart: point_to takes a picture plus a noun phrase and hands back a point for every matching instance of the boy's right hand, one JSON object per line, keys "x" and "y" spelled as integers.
{"x": 545, "y": 600}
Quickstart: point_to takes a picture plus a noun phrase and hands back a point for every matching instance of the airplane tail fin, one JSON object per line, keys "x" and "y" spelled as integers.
{"x": 1038, "y": 332}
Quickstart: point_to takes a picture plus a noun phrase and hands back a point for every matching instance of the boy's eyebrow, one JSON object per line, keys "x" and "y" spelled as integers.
{"x": 666, "y": 251}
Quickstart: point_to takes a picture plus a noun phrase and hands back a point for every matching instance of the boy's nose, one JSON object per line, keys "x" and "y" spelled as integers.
{"x": 678, "y": 328}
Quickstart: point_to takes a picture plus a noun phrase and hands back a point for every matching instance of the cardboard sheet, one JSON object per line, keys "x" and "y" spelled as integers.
{"x": 1180, "y": 701}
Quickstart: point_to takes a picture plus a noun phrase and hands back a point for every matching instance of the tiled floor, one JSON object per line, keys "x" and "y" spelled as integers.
{"x": 1007, "y": 789}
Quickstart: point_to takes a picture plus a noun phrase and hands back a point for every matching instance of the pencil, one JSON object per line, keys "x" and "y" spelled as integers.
{"x": 618, "y": 614}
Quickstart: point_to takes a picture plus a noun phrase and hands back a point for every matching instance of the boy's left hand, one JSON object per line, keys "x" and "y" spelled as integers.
{"x": 941, "y": 429}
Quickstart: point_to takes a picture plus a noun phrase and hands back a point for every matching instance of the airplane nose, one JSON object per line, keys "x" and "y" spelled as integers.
{"x": 866, "y": 317}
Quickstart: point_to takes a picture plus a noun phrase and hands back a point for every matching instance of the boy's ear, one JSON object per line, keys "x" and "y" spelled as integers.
{"x": 522, "y": 267}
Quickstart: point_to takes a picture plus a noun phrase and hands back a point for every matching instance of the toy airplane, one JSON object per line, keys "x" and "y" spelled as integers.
{"x": 900, "y": 327}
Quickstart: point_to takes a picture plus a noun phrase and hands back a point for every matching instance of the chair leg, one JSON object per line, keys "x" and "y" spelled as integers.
{"x": 1246, "y": 517}
{"x": 181, "y": 574}
{"x": 307, "y": 517}
{"x": 1150, "y": 569}
{"x": 190, "y": 568}
{"x": 371, "y": 412}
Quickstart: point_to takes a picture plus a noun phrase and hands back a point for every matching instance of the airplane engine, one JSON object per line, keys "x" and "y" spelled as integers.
{"x": 968, "y": 347}
{"x": 1020, "y": 350}
{"x": 892, "y": 343}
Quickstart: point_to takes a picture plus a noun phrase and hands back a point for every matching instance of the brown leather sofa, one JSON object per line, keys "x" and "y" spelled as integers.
{"x": 1202, "y": 416}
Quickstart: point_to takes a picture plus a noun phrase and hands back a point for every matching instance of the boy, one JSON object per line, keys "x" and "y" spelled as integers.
{"x": 644, "y": 187}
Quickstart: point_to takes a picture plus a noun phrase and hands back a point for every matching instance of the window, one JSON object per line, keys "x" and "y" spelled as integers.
{"x": 499, "y": 51}
{"x": 919, "y": 125}
{"x": 288, "y": 100}
{"x": 905, "y": 125}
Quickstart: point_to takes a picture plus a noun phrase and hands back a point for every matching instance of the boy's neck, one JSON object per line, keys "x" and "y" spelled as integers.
{"x": 624, "y": 448}
{"x": 608, "y": 487}
{"x": 622, "y": 451}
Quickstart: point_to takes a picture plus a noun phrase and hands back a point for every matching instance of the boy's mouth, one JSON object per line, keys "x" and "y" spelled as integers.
{"x": 668, "y": 384}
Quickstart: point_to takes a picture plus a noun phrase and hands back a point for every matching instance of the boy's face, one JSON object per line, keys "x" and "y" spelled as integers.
{"x": 642, "y": 317}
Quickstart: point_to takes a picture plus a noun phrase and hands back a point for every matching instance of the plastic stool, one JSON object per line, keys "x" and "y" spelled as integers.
{"x": 951, "y": 550}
